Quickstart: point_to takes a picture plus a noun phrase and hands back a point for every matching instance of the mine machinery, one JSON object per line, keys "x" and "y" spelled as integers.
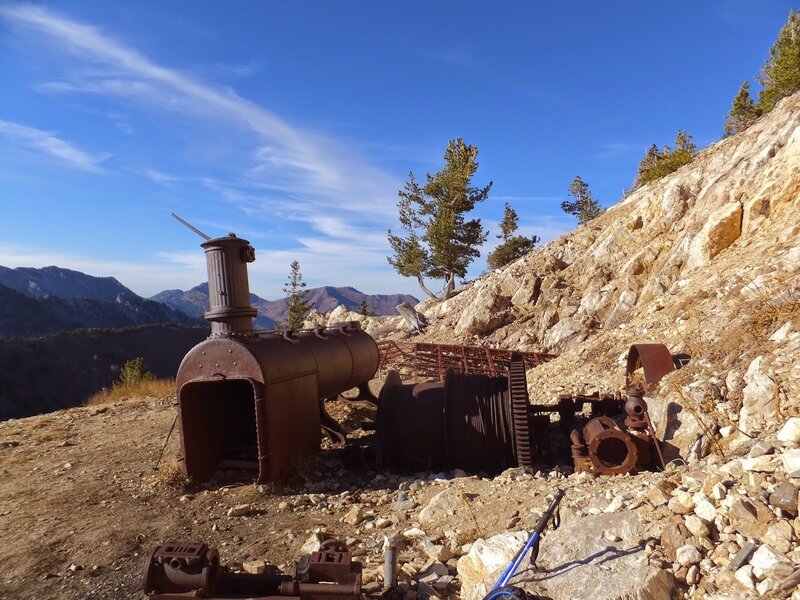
{"x": 180, "y": 570}
{"x": 255, "y": 400}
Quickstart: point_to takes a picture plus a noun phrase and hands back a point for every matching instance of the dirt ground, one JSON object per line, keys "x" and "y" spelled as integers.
{"x": 81, "y": 505}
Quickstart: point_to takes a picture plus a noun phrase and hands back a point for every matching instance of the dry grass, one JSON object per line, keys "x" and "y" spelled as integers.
{"x": 160, "y": 389}
{"x": 170, "y": 475}
{"x": 52, "y": 434}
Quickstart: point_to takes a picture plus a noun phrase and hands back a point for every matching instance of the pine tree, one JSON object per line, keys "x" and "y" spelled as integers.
{"x": 298, "y": 306}
{"x": 513, "y": 246}
{"x": 743, "y": 113}
{"x": 439, "y": 242}
{"x": 780, "y": 75}
{"x": 366, "y": 310}
{"x": 509, "y": 223}
{"x": 584, "y": 206}
{"x": 657, "y": 163}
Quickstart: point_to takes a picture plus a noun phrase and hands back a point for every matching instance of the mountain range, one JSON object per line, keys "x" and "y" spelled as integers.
{"x": 40, "y": 301}
{"x": 194, "y": 302}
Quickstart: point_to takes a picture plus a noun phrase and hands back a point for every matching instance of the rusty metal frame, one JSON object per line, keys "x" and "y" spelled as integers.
{"x": 435, "y": 360}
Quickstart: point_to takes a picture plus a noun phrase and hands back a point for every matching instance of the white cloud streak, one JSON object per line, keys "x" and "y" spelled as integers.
{"x": 49, "y": 143}
{"x": 307, "y": 164}
{"x": 528, "y": 198}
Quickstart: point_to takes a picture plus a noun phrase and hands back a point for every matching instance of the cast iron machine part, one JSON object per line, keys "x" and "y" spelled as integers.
{"x": 471, "y": 421}
{"x": 180, "y": 570}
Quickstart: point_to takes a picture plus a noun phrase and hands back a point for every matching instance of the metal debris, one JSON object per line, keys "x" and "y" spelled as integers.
{"x": 179, "y": 570}
{"x": 471, "y": 421}
{"x": 422, "y": 360}
{"x": 481, "y": 422}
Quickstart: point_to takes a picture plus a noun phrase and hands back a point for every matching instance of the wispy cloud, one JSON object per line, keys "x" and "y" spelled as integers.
{"x": 309, "y": 165}
{"x": 615, "y": 149}
{"x": 49, "y": 143}
{"x": 528, "y": 198}
{"x": 157, "y": 176}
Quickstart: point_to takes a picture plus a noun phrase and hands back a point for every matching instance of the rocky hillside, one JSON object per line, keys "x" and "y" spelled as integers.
{"x": 705, "y": 260}
{"x": 40, "y": 301}
{"x": 194, "y": 302}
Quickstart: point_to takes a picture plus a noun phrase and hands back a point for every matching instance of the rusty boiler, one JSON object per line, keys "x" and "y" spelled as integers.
{"x": 251, "y": 399}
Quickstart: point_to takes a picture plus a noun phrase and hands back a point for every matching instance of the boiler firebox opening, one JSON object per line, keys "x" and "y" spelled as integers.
{"x": 218, "y": 421}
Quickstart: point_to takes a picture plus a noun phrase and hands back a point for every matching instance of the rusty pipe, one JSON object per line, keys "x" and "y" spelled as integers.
{"x": 611, "y": 450}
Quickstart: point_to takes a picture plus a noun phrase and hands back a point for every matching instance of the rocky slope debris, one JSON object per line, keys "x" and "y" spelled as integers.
{"x": 722, "y": 528}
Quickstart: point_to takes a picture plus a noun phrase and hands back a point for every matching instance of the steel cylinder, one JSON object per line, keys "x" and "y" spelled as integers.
{"x": 262, "y": 392}
{"x": 611, "y": 450}
{"x": 230, "y": 311}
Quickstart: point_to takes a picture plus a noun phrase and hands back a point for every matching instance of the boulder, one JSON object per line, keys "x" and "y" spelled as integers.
{"x": 442, "y": 506}
{"x": 485, "y": 561}
{"x": 790, "y": 432}
{"x": 578, "y": 562}
{"x": 760, "y": 398}
{"x": 721, "y": 229}
{"x": 791, "y": 461}
{"x": 749, "y": 517}
{"x": 488, "y": 310}
{"x": 784, "y": 496}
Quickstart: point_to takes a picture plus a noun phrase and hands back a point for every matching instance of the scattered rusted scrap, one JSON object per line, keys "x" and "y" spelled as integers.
{"x": 251, "y": 400}
{"x": 613, "y": 443}
{"x": 180, "y": 570}
{"x": 471, "y": 421}
{"x": 655, "y": 361}
{"x": 434, "y": 360}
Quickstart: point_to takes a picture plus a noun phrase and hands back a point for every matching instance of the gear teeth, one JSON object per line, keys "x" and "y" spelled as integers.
{"x": 518, "y": 392}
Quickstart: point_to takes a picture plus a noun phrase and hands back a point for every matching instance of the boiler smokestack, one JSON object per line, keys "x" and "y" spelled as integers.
{"x": 230, "y": 311}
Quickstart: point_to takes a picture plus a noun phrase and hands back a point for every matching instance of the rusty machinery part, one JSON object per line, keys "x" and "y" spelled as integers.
{"x": 262, "y": 393}
{"x": 479, "y": 423}
{"x": 178, "y": 567}
{"x": 409, "y": 425}
{"x": 580, "y": 457}
{"x": 639, "y": 418}
{"x": 611, "y": 450}
{"x": 176, "y": 571}
{"x": 434, "y": 360}
{"x": 635, "y": 409}
{"x": 520, "y": 406}
{"x": 655, "y": 361}
{"x": 474, "y": 422}
{"x": 229, "y": 310}
{"x": 364, "y": 394}
{"x": 330, "y": 426}
{"x": 250, "y": 400}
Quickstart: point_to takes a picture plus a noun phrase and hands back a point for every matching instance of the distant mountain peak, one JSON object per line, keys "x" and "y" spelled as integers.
{"x": 194, "y": 302}
{"x": 53, "y": 299}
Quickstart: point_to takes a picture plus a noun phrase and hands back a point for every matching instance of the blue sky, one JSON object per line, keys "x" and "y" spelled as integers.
{"x": 295, "y": 123}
